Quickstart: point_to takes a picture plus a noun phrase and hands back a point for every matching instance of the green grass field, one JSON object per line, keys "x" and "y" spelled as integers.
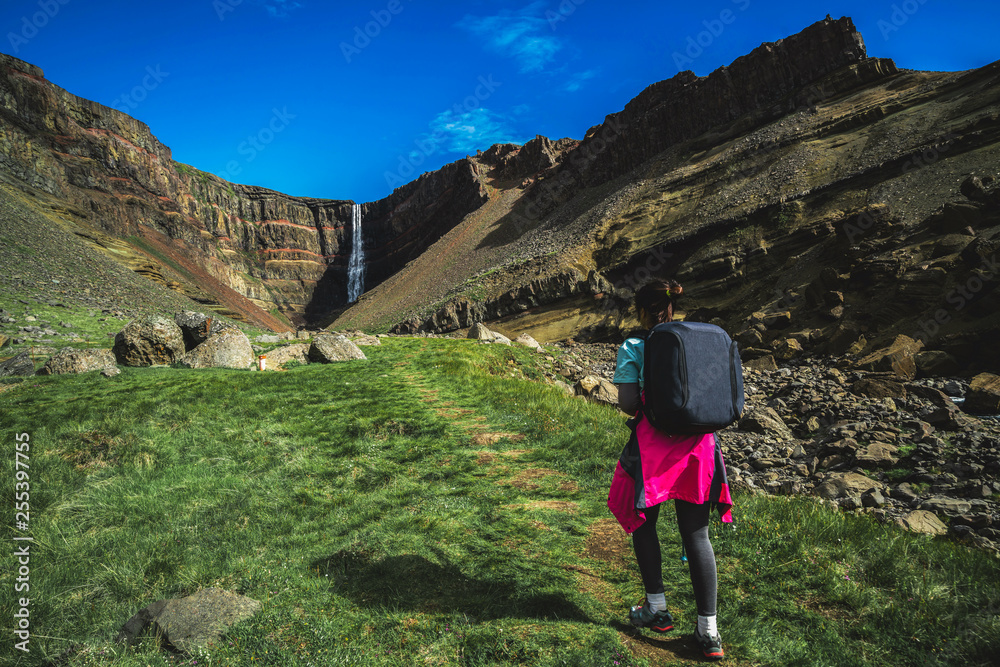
{"x": 434, "y": 505}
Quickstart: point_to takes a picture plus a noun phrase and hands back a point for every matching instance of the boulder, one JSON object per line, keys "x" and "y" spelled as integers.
{"x": 948, "y": 417}
{"x": 778, "y": 320}
{"x": 833, "y": 314}
{"x": 935, "y": 396}
{"x": 844, "y": 485}
{"x": 904, "y": 493}
{"x": 878, "y": 455}
{"x": 327, "y": 348}
{"x": 149, "y": 341}
{"x": 564, "y": 387}
{"x": 983, "y": 396}
{"x": 843, "y": 339}
{"x": 898, "y": 358}
{"x": 597, "y": 389}
{"x": 230, "y": 348}
{"x": 946, "y": 504}
{"x": 528, "y": 341}
{"x": 765, "y": 363}
{"x": 833, "y": 299}
{"x": 922, "y": 521}
{"x": 480, "y": 332}
{"x": 20, "y": 365}
{"x": 190, "y": 623}
{"x": 857, "y": 347}
{"x": 365, "y": 339}
{"x": 280, "y": 356}
{"x": 872, "y": 498}
{"x": 3, "y": 341}
{"x": 935, "y": 363}
{"x": 72, "y": 360}
{"x": 766, "y": 421}
{"x": 954, "y": 217}
{"x": 787, "y": 349}
{"x": 750, "y": 353}
{"x": 196, "y": 328}
{"x": 973, "y": 188}
{"x": 749, "y": 338}
{"x": 844, "y": 446}
{"x": 878, "y": 388}
{"x": 977, "y": 521}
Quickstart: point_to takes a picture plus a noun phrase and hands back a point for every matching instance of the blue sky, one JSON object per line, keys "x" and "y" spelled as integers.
{"x": 345, "y": 100}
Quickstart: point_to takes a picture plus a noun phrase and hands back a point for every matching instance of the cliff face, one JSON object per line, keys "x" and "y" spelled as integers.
{"x": 772, "y": 81}
{"x": 403, "y": 225}
{"x": 841, "y": 211}
{"x": 279, "y": 251}
{"x": 291, "y": 253}
{"x": 769, "y": 82}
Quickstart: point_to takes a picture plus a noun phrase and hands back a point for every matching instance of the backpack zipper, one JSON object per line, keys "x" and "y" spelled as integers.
{"x": 683, "y": 370}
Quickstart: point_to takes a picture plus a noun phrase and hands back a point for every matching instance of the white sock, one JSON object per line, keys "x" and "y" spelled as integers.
{"x": 657, "y": 601}
{"x": 707, "y": 626}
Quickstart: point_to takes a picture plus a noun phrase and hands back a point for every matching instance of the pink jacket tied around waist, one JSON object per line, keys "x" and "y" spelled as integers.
{"x": 657, "y": 466}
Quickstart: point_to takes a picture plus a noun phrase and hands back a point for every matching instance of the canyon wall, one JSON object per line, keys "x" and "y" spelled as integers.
{"x": 289, "y": 253}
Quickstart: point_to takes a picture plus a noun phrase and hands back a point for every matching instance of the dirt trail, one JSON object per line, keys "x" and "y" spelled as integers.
{"x": 606, "y": 542}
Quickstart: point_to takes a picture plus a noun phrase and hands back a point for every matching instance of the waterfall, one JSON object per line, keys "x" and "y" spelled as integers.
{"x": 356, "y": 266}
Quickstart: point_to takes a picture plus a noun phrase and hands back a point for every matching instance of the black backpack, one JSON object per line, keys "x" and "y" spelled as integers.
{"x": 693, "y": 378}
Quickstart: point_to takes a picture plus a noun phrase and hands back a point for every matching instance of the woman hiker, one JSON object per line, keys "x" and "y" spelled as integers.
{"x": 655, "y": 467}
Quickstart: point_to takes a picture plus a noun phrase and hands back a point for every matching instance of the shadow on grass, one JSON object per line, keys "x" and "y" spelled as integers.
{"x": 414, "y": 583}
{"x": 671, "y": 646}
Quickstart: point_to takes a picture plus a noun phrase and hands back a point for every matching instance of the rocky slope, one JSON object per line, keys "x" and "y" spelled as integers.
{"x": 856, "y": 207}
{"x": 914, "y": 452}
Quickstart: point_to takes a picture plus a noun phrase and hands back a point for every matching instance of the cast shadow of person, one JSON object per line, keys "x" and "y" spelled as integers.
{"x": 410, "y": 582}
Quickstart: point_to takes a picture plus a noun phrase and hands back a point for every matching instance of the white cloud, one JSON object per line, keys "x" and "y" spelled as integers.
{"x": 519, "y": 34}
{"x": 280, "y": 8}
{"x": 577, "y": 80}
{"x": 466, "y": 132}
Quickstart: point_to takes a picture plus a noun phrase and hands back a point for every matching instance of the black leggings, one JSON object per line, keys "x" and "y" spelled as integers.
{"x": 692, "y": 521}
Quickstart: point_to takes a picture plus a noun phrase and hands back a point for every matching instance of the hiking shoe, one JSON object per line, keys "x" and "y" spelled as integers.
{"x": 642, "y": 617}
{"x": 710, "y": 646}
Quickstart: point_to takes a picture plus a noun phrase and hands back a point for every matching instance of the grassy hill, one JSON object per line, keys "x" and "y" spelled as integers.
{"x": 436, "y": 504}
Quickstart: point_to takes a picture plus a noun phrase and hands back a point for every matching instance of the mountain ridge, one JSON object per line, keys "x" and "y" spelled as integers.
{"x": 216, "y": 220}
{"x": 708, "y": 178}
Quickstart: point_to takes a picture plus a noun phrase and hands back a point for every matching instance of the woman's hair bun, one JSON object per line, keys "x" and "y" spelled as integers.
{"x": 657, "y": 297}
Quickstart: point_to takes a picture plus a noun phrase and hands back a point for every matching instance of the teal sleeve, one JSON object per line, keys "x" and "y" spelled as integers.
{"x": 629, "y": 366}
